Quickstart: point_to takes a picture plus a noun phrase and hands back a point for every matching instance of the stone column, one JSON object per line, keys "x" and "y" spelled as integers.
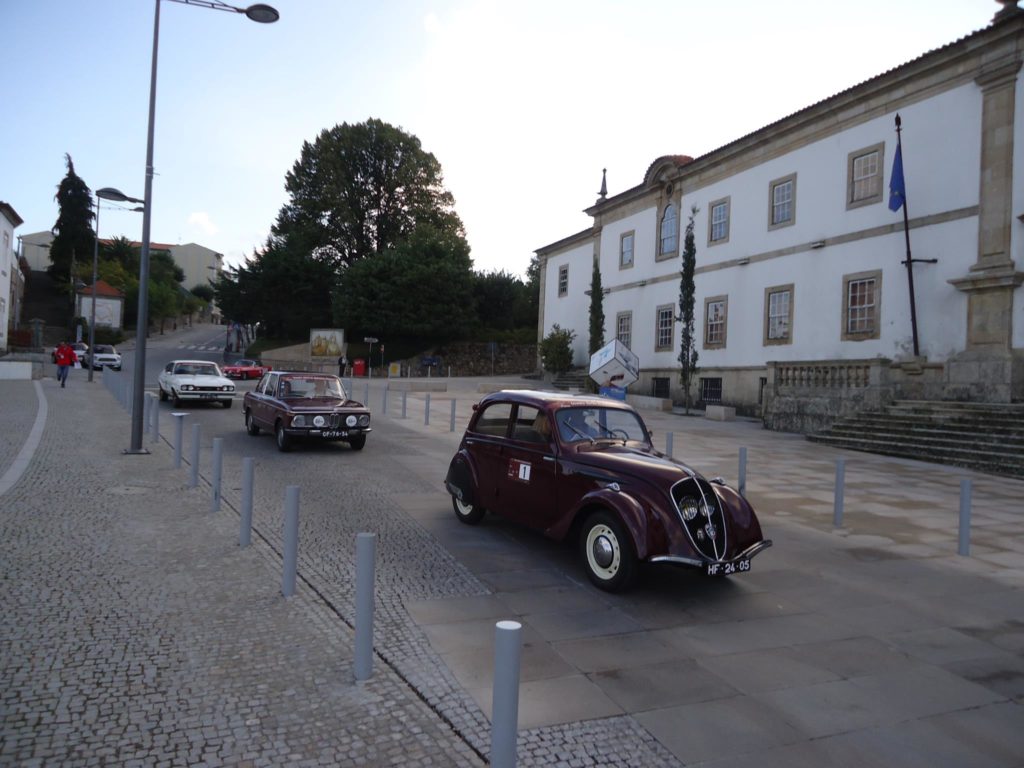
{"x": 990, "y": 369}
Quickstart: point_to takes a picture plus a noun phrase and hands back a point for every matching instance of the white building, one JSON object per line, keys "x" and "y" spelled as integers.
{"x": 801, "y": 286}
{"x": 9, "y": 271}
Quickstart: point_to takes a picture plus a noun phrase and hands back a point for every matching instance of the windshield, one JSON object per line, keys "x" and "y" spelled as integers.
{"x": 595, "y": 423}
{"x": 197, "y": 369}
{"x": 311, "y": 387}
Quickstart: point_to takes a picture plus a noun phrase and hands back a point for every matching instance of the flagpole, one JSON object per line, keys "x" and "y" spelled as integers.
{"x": 906, "y": 235}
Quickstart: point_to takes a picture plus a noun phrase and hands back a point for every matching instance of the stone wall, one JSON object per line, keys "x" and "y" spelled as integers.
{"x": 476, "y": 359}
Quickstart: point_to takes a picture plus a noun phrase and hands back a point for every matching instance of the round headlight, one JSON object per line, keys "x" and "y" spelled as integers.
{"x": 690, "y": 508}
{"x": 351, "y": 420}
{"x": 187, "y": 387}
{"x": 364, "y": 420}
{"x": 298, "y": 421}
{"x": 319, "y": 421}
{"x": 705, "y": 509}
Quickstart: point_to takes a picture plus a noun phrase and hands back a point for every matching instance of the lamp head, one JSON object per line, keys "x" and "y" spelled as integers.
{"x": 262, "y": 13}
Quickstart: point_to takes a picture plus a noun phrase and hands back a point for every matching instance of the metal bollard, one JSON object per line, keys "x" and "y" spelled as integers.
{"x": 451, "y": 425}
{"x": 156, "y": 422}
{"x": 743, "y": 472}
{"x": 147, "y": 409}
{"x": 404, "y": 399}
{"x": 218, "y": 466}
{"x": 245, "y": 527}
{"x": 179, "y": 426}
{"x": 366, "y": 545}
{"x": 291, "y": 539}
{"x": 964, "y": 546}
{"x": 193, "y": 475}
{"x": 366, "y": 394}
{"x": 426, "y": 412}
{"x": 669, "y": 440}
{"x": 384, "y": 399}
{"x": 505, "y": 698}
{"x": 837, "y": 509}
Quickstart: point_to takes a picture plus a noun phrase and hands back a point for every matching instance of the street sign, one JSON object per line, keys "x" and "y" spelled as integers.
{"x": 371, "y": 340}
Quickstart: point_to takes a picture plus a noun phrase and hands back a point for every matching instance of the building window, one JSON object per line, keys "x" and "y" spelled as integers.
{"x": 661, "y": 387}
{"x": 716, "y": 310}
{"x": 862, "y": 304}
{"x": 626, "y": 250}
{"x": 782, "y": 202}
{"x": 664, "y": 326}
{"x": 864, "y": 176}
{"x": 711, "y": 390}
{"x": 778, "y": 314}
{"x": 624, "y": 329}
{"x": 669, "y": 231}
{"x": 718, "y": 222}
{"x": 563, "y": 280}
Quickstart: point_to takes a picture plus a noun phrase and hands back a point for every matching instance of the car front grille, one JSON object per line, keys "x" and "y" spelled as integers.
{"x": 706, "y": 528}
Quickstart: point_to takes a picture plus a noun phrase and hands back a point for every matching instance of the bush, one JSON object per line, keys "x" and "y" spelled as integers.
{"x": 556, "y": 350}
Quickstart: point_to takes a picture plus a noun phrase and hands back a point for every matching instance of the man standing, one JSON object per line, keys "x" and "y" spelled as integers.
{"x": 65, "y": 357}
{"x": 342, "y": 365}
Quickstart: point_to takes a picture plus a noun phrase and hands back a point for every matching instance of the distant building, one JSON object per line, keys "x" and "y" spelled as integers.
{"x": 199, "y": 263}
{"x": 802, "y": 298}
{"x": 109, "y": 305}
{"x": 11, "y": 286}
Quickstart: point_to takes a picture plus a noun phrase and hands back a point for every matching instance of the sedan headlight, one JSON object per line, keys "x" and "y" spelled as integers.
{"x": 319, "y": 421}
{"x": 187, "y": 387}
{"x": 298, "y": 421}
{"x": 690, "y": 507}
{"x": 351, "y": 420}
{"x": 364, "y": 420}
{"x": 229, "y": 388}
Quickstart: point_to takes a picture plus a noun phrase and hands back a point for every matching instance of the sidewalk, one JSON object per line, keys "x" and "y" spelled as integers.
{"x": 135, "y": 631}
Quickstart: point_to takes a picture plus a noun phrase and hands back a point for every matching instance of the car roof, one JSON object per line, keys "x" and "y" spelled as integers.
{"x": 307, "y": 374}
{"x": 554, "y": 399}
{"x": 193, "y": 362}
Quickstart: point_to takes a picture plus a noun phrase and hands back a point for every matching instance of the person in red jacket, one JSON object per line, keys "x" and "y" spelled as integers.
{"x": 65, "y": 357}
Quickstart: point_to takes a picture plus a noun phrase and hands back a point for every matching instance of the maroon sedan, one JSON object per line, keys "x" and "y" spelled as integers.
{"x": 584, "y": 467}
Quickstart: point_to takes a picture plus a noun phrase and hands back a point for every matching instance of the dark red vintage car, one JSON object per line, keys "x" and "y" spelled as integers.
{"x": 244, "y": 369}
{"x": 297, "y": 405}
{"x": 584, "y": 467}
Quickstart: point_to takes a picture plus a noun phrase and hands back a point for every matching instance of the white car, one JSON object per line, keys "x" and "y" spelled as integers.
{"x": 195, "y": 380}
{"x": 103, "y": 356}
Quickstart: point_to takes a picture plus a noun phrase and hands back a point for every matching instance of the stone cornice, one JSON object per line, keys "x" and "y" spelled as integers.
{"x": 989, "y": 279}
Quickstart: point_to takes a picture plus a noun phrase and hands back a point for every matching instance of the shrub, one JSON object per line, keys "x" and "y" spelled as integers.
{"x": 556, "y": 350}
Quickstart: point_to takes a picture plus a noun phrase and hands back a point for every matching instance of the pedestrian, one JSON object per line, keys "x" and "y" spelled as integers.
{"x": 342, "y": 365}
{"x": 65, "y": 357}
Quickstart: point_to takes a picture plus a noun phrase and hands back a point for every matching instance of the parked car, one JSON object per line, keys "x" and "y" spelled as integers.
{"x": 81, "y": 350}
{"x": 103, "y": 356}
{"x": 195, "y": 380}
{"x": 584, "y": 467}
{"x": 245, "y": 369}
{"x": 298, "y": 405}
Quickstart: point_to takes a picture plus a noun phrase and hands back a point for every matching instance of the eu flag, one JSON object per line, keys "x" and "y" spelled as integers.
{"x": 897, "y": 189}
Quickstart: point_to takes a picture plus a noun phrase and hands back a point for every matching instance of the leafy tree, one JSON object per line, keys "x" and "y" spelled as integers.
{"x": 415, "y": 291}
{"x": 362, "y": 190}
{"x": 73, "y": 235}
{"x": 596, "y": 310}
{"x": 503, "y": 302}
{"x": 202, "y": 292}
{"x": 688, "y": 341}
{"x": 163, "y": 302}
{"x": 556, "y": 350}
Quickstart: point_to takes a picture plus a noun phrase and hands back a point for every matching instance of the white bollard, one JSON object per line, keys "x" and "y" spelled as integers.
{"x": 837, "y": 510}
{"x": 245, "y": 527}
{"x": 743, "y": 472}
{"x": 366, "y": 545}
{"x": 291, "y": 540}
{"x": 505, "y": 699}
{"x": 218, "y": 465}
{"x": 179, "y": 426}
{"x": 193, "y": 475}
{"x": 964, "y": 543}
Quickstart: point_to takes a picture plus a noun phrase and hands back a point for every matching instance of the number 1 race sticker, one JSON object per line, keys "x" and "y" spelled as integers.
{"x": 519, "y": 470}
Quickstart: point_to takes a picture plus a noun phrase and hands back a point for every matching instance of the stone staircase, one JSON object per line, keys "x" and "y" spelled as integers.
{"x": 573, "y": 380}
{"x": 984, "y": 437}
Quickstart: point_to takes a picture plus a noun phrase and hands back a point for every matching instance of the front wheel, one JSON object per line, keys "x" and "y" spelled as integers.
{"x": 357, "y": 442}
{"x": 468, "y": 513}
{"x": 607, "y": 552}
{"x": 284, "y": 443}
{"x": 163, "y": 395}
{"x": 177, "y": 400}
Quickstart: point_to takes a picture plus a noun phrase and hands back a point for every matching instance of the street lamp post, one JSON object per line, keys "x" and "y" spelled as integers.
{"x": 264, "y": 14}
{"x": 107, "y": 193}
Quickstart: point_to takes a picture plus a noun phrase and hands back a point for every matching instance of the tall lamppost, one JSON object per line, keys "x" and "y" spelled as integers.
{"x": 107, "y": 193}
{"x": 264, "y": 14}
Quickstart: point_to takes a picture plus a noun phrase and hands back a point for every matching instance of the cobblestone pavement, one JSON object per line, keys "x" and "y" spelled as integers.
{"x": 170, "y": 645}
{"x": 135, "y": 631}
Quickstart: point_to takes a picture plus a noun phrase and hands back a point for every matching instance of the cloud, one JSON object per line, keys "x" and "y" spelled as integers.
{"x": 201, "y": 220}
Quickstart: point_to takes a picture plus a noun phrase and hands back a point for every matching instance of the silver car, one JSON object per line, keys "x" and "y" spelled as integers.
{"x": 194, "y": 381}
{"x": 103, "y": 356}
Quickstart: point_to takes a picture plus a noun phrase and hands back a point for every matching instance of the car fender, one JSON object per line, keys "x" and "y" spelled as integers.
{"x": 462, "y": 477}
{"x": 628, "y": 509}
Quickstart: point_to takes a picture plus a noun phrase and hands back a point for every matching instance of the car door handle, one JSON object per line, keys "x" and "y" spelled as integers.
{"x": 549, "y": 458}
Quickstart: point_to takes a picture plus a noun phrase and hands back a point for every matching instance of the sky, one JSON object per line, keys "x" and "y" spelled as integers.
{"x": 523, "y": 103}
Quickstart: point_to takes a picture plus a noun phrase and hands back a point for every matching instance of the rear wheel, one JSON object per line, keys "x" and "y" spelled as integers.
{"x": 357, "y": 442}
{"x": 250, "y": 425}
{"x": 468, "y": 513}
{"x": 607, "y": 552}
{"x": 284, "y": 443}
